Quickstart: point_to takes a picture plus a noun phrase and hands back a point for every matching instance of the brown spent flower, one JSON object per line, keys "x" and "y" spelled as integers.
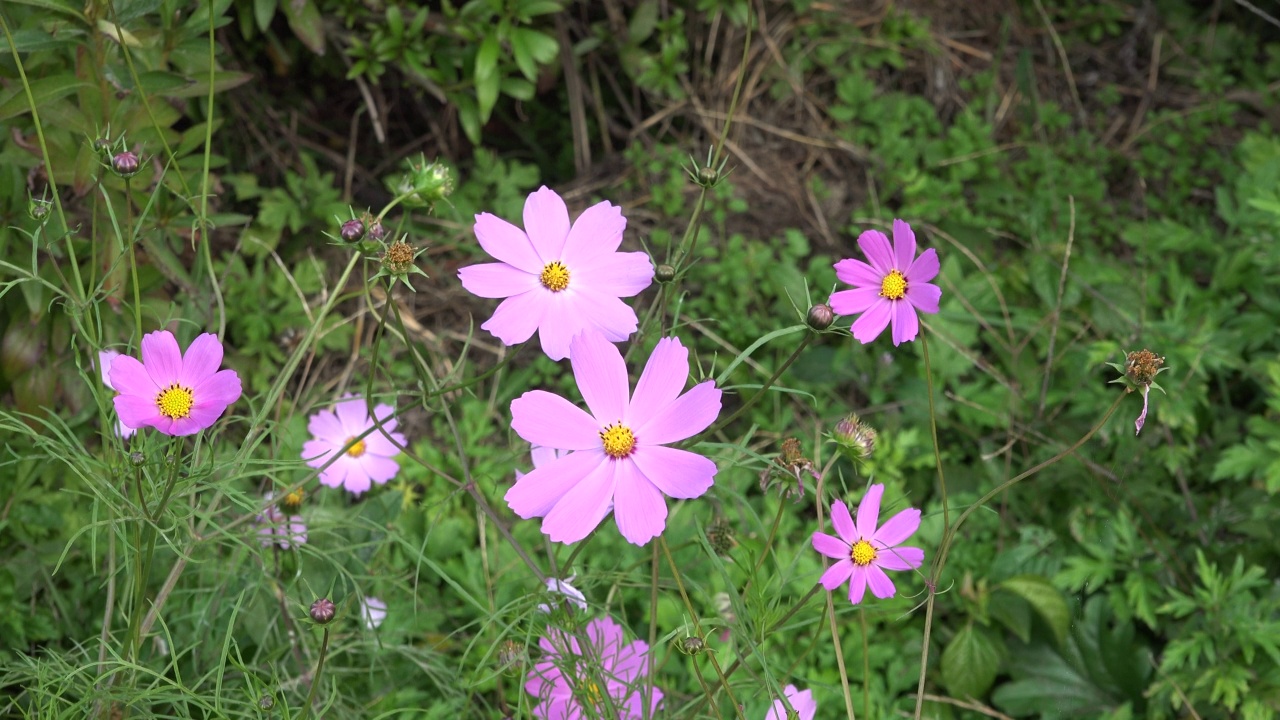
{"x": 856, "y": 436}
{"x": 398, "y": 258}
{"x": 1142, "y": 366}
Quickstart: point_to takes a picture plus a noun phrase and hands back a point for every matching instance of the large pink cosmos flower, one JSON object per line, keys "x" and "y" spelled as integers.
{"x": 570, "y": 679}
{"x": 175, "y": 393}
{"x": 865, "y": 552}
{"x": 366, "y": 462}
{"x": 801, "y": 701}
{"x": 618, "y": 448}
{"x": 557, "y": 279}
{"x": 891, "y": 289}
{"x": 105, "y": 357}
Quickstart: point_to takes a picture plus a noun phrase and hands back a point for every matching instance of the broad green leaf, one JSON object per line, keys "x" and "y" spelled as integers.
{"x": 643, "y": 22}
{"x": 306, "y": 24}
{"x": 37, "y": 40}
{"x": 518, "y": 88}
{"x": 263, "y": 11}
{"x": 198, "y": 86}
{"x": 487, "y": 95}
{"x": 1045, "y": 598}
{"x": 487, "y": 60}
{"x": 970, "y": 663}
{"x": 542, "y": 47}
{"x": 1050, "y": 688}
{"x": 63, "y": 6}
{"x": 14, "y": 102}
{"x": 159, "y": 82}
{"x": 1013, "y": 612}
{"x": 524, "y": 58}
{"x": 119, "y": 34}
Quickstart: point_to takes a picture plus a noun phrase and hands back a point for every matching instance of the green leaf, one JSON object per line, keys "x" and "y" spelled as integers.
{"x": 46, "y": 89}
{"x": 518, "y": 88}
{"x": 37, "y": 40}
{"x": 524, "y": 58}
{"x": 66, "y": 7}
{"x": 1045, "y": 598}
{"x": 306, "y": 23}
{"x": 263, "y": 11}
{"x": 487, "y": 61}
{"x": 198, "y": 86}
{"x": 487, "y": 95}
{"x": 1012, "y": 612}
{"x": 970, "y": 662}
{"x": 542, "y": 47}
{"x": 643, "y": 22}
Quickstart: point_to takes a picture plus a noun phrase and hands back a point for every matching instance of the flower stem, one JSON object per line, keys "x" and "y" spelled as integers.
{"x": 866, "y": 666}
{"x": 949, "y": 536}
{"x": 933, "y": 427}
{"x": 315, "y": 679}
{"x": 844, "y": 676}
{"x": 808, "y": 338}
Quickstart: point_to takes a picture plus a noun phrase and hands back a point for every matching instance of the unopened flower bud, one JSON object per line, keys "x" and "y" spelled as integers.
{"x": 266, "y": 702}
{"x": 322, "y": 611}
{"x": 102, "y": 146}
{"x": 376, "y": 231}
{"x": 137, "y": 459}
{"x": 665, "y": 273}
{"x": 125, "y": 164}
{"x": 511, "y": 656}
{"x": 856, "y": 437}
{"x": 38, "y": 210}
{"x": 352, "y": 230}
{"x": 820, "y": 317}
{"x": 721, "y": 537}
{"x": 692, "y": 645}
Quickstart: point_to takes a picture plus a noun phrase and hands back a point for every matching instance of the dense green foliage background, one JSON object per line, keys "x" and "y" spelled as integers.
{"x": 1096, "y": 177}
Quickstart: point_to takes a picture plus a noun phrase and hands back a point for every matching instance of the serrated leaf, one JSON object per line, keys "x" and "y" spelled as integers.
{"x": 970, "y": 663}
{"x": 1046, "y": 599}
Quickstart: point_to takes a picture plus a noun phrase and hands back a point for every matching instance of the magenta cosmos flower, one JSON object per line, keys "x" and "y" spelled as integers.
{"x": 105, "y": 358}
{"x": 617, "y": 449}
{"x": 801, "y": 701}
{"x": 557, "y": 279}
{"x": 864, "y": 552}
{"x": 367, "y": 461}
{"x": 570, "y": 679}
{"x": 175, "y": 393}
{"x": 891, "y": 289}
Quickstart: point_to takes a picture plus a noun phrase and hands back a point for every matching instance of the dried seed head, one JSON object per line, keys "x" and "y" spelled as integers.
{"x": 855, "y": 436}
{"x": 1142, "y": 366}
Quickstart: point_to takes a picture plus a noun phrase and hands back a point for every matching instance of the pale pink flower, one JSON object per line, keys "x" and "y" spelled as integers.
{"x": 801, "y": 701}
{"x": 609, "y": 671}
{"x": 864, "y": 552}
{"x": 104, "y": 369}
{"x": 275, "y": 527}
{"x": 175, "y": 393}
{"x": 557, "y": 279}
{"x": 563, "y": 587}
{"x": 373, "y": 611}
{"x": 891, "y": 289}
{"x": 618, "y": 450}
{"x": 367, "y": 461}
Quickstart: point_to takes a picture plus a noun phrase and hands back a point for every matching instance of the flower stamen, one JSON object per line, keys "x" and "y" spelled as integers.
{"x": 862, "y": 553}
{"x": 619, "y": 441}
{"x": 894, "y": 286}
{"x": 555, "y": 276}
{"x": 357, "y": 449}
{"x": 175, "y": 401}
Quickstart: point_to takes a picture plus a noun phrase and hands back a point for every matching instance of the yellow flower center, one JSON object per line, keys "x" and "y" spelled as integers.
{"x": 356, "y": 450}
{"x": 590, "y": 693}
{"x": 894, "y": 286}
{"x": 618, "y": 439}
{"x": 862, "y": 553}
{"x": 175, "y": 401}
{"x": 555, "y": 276}
{"x": 293, "y": 500}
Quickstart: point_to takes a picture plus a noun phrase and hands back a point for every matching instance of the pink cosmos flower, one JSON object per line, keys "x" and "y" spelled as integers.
{"x": 557, "y": 279}
{"x": 175, "y": 393}
{"x": 366, "y": 462}
{"x": 570, "y": 679}
{"x": 275, "y": 527}
{"x": 801, "y": 701}
{"x": 373, "y": 611}
{"x": 891, "y": 289}
{"x": 865, "y": 552}
{"x": 618, "y": 449}
{"x": 104, "y": 369}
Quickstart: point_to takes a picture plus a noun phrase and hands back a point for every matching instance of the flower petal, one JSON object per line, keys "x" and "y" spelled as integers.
{"x": 832, "y": 547}
{"x": 606, "y": 314}
{"x": 876, "y": 247}
{"x": 562, "y": 319}
{"x": 872, "y": 322}
{"x": 136, "y": 411}
{"x": 661, "y": 382}
{"x": 324, "y": 425}
{"x": 357, "y": 480}
{"x": 905, "y": 324}
{"x": 677, "y": 473}
{"x": 902, "y": 557}
{"x": 843, "y": 522}
{"x": 924, "y": 269}
{"x": 595, "y": 234}
{"x": 904, "y": 245}
{"x": 601, "y": 375}
{"x": 687, "y": 416}
{"x": 542, "y": 418}
{"x": 857, "y": 583}
{"x": 379, "y": 469}
{"x": 537, "y": 492}
{"x": 130, "y": 377}
{"x": 543, "y": 455}
{"x": 857, "y": 300}
{"x": 583, "y": 507}
{"x": 924, "y": 296}
{"x": 317, "y": 452}
{"x": 858, "y": 274}
{"x": 201, "y": 360}
{"x": 546, "y": 222}
{"x": 614, "y": 274}
{"x": 897, "y": 528}
{"x": 507, "y": 243}
{"x": 353, "y": 413}
{"x": 104, "y": 366}
{"x": 161, "y": 357}
{"x": 881, "y": 586}
{"x": 497, "y": 280}
{"x": 869, "y": 512}
{"x": 837, "y": 574}
{"x": 218, "y": 391}
{"x": 638, "y": 508}
{"x": 518, "y": 317}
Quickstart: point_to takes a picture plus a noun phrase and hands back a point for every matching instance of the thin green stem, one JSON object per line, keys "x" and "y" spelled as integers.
{"x": 844, "y": 676}
{"x": 866, "y": 666}
{"x": 808, "y": 338}
{"x": 949, "y": 536}
{"x": 315, "y": 679}
{"x": 933, "y": 427}
{"x": 653, "y": 630}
